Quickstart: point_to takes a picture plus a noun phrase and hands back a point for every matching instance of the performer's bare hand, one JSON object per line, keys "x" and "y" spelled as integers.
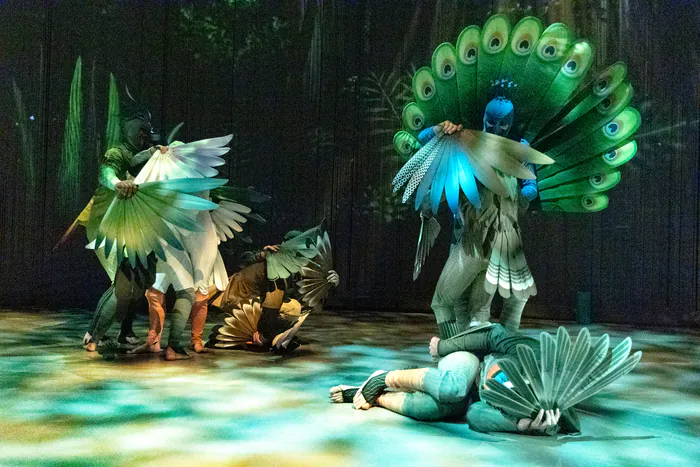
{"x": 126, "y": 188}
{"x": 545, "y": 419}
{"x": 162, "y": 149}
{"x": 434, "y": 346}
{"x": 447, "y": 128}
{"x": 273, "y": 248}
{"x": 333, "y": 278}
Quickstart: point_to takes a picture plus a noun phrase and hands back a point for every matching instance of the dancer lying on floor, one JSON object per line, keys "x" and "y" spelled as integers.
{"x": 515, "y": 395}
{"x": 271, "y": 296}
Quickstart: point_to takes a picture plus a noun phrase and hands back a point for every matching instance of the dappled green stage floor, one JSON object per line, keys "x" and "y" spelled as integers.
{"x": 59, "y": 404}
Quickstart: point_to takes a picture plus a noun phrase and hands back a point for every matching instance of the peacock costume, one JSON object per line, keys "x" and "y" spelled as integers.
{"x": 579, "y": 134}
{"x": 516, "y": 378}
{"x": 269, "y": 299}
{"x": 194, "y": 263}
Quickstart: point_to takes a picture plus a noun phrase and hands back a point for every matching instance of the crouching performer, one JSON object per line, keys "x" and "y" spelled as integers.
{"x": 521, "y": 385}
{"x": 271, "y": 296}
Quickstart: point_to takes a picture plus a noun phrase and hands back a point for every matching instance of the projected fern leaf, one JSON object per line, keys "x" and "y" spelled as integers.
{"x": 69, "y": 170}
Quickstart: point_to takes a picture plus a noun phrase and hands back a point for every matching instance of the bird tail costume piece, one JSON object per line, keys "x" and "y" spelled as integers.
{"x": 241, "y": 328}
{"x": 583, "y": 130}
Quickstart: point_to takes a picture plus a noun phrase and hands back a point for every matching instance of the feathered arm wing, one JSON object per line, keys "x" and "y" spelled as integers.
{"x": 294, "y": 254}
{"x": 452, "y": 163}
{"x": 234, "y": 209}
{"x": 429, "y": 231}
{"x": 565, "y": 373}
{"x": 137, "y": 226}
{"x": 240, "y": 326}
{"x": 314, "y": 285}
{"x": 189, "y": 160}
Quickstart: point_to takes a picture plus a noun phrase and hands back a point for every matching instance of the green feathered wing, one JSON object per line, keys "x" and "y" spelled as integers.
{"x": 565, "y": 373}
{"x": 429, "y": 231}
{"x": 294, "y": 254}
{"x": 314, "y": 285}
{"x": 234, "y": 210}
{"x": 582, "y": 128}
{"x": 199, "y": 159}
{"x": 136, "y": 227}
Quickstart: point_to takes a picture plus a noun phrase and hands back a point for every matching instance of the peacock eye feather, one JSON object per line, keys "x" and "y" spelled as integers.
{"x": 413, "y": 117}
{"x": 550, "y": 51}
{"x": 611, "y": 128}
{"x": 495, "y": 34}
{"x": 524, "y": 45}
{"x": 571, "y": 65}
{"x": 611, "y": 155}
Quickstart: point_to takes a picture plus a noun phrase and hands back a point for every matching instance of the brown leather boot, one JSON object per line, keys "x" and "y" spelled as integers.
{"x": 199, "y": 319}
{"x": 156, "y": 318}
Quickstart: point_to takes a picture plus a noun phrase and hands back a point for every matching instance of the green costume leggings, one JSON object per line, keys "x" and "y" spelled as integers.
{"x": 446, "y": 394}
{"x": 444, "y": 390}
{"x": 130, "y": 286}
{"x": 179, "y": 316}
{"x": 460, "y": 296}
{"x": 116, "y": 302}
{"x": 127, "y": 325}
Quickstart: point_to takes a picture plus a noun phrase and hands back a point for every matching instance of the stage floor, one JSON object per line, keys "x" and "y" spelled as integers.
{"x": 60, "y": 404}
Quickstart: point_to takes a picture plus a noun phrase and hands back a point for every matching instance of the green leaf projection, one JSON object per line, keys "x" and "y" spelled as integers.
{"x": 113, "y": 132}
{"x": 384, "y": 96}
{"x": 28, "y": 144}
{"x": 69, "y": 168}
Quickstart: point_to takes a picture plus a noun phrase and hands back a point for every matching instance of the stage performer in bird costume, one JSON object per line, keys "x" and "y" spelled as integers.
{"x": 503, "y": 381}
{"x": 192, "y": 269}
{"x": 562, "y": 138}
{"x": 274, "y": 292}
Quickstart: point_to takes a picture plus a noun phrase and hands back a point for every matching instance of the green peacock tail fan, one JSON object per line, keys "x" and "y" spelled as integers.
{"x": 563, "y": 374}
{"x": 585, "y": 126}
{"x": 314, "y": 285}
{"x": 136, "y": 227}
{"x": 295, "y": 253}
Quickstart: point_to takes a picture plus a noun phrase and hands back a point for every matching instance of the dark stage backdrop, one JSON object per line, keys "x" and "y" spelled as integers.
{"x": 312, "y": 91}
